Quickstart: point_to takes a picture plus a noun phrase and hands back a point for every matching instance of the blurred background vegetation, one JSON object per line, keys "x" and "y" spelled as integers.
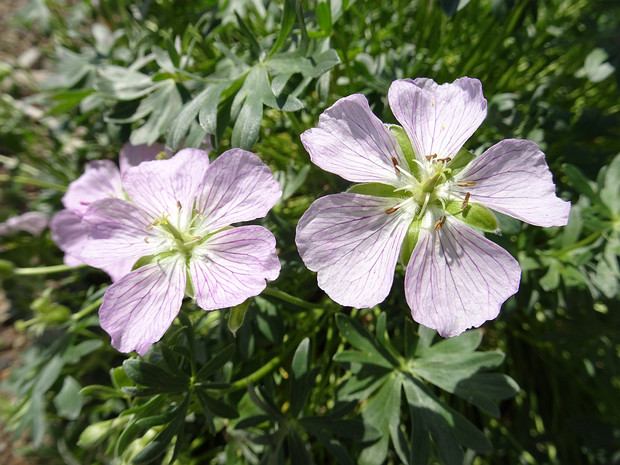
{"x": 79, "y": 78}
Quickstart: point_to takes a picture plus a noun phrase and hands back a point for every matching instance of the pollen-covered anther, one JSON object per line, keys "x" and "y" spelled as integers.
{"x": 466, "y": 183}
{"x": 431, "y": 157}
{"x": 146, "y": 239}
{"x": 465, "y": 202}
{"x": 445, "y": 160}
{"x": 395, "y": 163}
{"x": 197, "y": 213}
{"x": 179, "y": 205}
{"x": 391, "y": 210}
{"x": 152, "y": 225}
{"x": 439, "y": 223}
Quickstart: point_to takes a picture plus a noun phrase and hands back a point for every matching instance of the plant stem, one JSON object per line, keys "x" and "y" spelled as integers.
{"x": 289, "y": 298}
{"x": 34, "y": 182}
{"x": 44, "y": 270}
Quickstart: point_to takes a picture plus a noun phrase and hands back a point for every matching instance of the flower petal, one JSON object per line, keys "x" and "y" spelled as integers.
{"x": 133, "y": 155}
{"x": 232, "y": 265}
{"x": 117, "y": 234}
{"x": 438, "y": 118}
{"x": 137, "y": 310}
{"x": 159, "y": 186}
{"x": 68, "y": 232}
{"x": 238, "y": 186}
{"x": 353, "y": 245}
{"x": 457, "y": 278}
{"x": 512, "y": 177}
{"x": 101, "y": 179}
{"x": 353, "y": 143}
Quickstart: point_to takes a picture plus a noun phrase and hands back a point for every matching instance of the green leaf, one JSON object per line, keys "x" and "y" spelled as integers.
{"x": 205, "y": 102}
{"x": 465, "y": 342}
{"x": 448, "y": 428}
{"x": 361, "y": 339}
{"x": 579, "y": 181}
{"x": 153, "y": 376}
{"x": 237, "y": 315}
{"x": 163, "y": 106}
{"x": 68, "y": 401}
{"x": 382, "y": 410}
{"x": 485, "y": 389}
{"x": 218, "y": 407}
{"x": 286, "y": 24}
{"x": 474, "y": 215}
{"x": 313, "y": 66}
{"x": 247, "y": 125}
{"x": 610, "y": 192}
{"x": 122, "y": 83}
{"x": 158, "y": 446}
{"x": 324, "y": 16}
{"x": 301, "y": 385}
{"x": 216, "y": 362}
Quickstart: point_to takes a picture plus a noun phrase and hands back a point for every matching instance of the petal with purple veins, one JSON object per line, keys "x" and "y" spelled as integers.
{"x": 138, "y": 309}
{"x": 232, "y": 265}
{"x": 238, "y": 186}
{"x": 353, "y": 143}
{"x": 160, "y": 186}
{"x": 117, "y": 232}
{"x": 353, "y": 245}
{"x": 101, "y": 179}
{"x": 457, "y": 279}
{"x": 438, "y": 118}
{"x": 512, "y": 177}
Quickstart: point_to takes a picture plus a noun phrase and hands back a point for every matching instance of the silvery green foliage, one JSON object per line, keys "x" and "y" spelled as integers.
{"x": 289, "y": 376}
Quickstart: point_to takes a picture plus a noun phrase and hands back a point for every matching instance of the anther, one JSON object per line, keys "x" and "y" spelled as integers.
{"x": 395, "y": 163}
{"x": 466, "y": 183}
{"x": 439, "y": 223}
{"x": 197, "y": 213}
{"x": 465, "y": 202}
{"x": 431, "y": 157}
{"x": 179, "y": 205}
{"x": 391, "y": 210}
{"x": 445, "y": 160}
{"x": 146, "y": 239}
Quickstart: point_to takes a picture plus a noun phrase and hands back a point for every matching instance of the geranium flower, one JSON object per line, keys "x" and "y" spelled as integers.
{"x": 423, "y": 199}
{"x": 30, "y": 222}
{"x": 175, "y": 229}
{"x": 101, "y": 179}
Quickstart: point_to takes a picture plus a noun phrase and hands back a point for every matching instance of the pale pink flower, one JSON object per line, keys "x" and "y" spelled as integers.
{"x": 423, "y": 200}
{"x": 101, "y": 179}
{"x": 30, "y": 222}
{"x": 175, "y": 229}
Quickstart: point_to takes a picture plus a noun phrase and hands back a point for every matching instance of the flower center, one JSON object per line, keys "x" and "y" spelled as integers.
{"x": 182, "y": 233}
{"x": 430, "y": 186}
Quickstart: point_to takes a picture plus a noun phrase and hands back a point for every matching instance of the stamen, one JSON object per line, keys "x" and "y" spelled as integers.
{"x": 179, "y": 205}
{"x": 197, "y": 213}
{"x": 466, "y": 183}
{"x": 439, "y": 223}
{"x": 398, "y": 205}
{"x": 391, "y": 210}
{"x": 146, "y": 239}
{"x": 423, "y": 209}
{"x": 465, "y": 202}
{"x": 431, "y": 157}
{"x": 445, "y": 160}
{"x": 395, "y": 163}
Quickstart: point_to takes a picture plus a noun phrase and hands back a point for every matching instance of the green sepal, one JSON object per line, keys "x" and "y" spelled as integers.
{"x": 411, "y": 239}
{"x": 474, "y": 215}
{"x": 375, "y": 189}
{"x": 460, "y": 161}
{"x": 148, "y": 259}
{"x": 237, "y": 315}
{"x": 189, "y": 284}
{"x": 405, "y": 145}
